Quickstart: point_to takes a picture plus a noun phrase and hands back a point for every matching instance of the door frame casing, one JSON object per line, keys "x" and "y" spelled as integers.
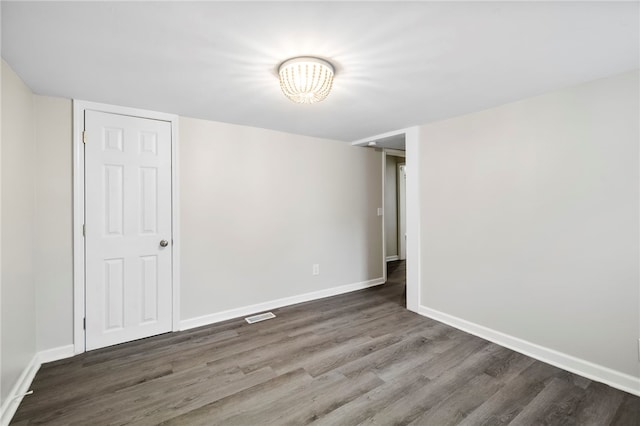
{"x": 79, "y": 107}
{"x": 401, "y": 209}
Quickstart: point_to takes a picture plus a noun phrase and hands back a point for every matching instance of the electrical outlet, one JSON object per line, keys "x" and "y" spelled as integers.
{"x": 316, "y": 269}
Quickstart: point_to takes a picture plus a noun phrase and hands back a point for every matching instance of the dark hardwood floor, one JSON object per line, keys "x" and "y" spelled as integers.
{"x": 359, "y": 358}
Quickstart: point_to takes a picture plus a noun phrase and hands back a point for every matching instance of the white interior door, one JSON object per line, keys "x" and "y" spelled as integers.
{"x": 402, "y": 212}
{"x": 128, "y": 284}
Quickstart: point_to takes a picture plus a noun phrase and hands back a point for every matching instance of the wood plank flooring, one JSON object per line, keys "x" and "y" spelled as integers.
{"x": 359, "y": 358}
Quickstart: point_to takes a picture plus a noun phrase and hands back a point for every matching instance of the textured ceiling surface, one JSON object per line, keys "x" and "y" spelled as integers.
{"x": 398, "y": 64}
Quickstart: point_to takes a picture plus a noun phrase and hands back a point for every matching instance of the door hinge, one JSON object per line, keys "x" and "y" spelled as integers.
{"x": 84, "y": 230}
{"x": 84, "y": 136}
{"x": 84, "y": 323}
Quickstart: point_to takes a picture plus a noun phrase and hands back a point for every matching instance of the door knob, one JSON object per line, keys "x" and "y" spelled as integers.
{"x": 164, "y": 243}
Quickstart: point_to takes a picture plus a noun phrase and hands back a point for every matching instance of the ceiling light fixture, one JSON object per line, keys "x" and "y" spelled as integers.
{"x": 305, "y": 79}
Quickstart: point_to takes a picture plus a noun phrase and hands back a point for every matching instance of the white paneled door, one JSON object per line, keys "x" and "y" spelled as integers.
{"x": 128, "y": 284}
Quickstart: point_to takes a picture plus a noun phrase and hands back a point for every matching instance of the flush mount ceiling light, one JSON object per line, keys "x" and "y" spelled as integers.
{"x": 305, "y": 79}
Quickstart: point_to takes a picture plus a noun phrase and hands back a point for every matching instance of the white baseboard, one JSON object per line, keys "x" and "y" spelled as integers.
{"x": 273, "y": 304}
{"x": 55, "y": 354}
{"x": 598, "y": 373}
{"x": 392, "y": 258}
{"x": 22, "y": 385}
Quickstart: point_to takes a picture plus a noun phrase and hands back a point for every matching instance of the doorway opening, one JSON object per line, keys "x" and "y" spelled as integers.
{"x": 400, "y": 224}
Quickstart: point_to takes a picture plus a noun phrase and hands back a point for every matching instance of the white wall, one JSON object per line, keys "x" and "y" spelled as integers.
{"x": 18, "y": 201}
{"x": 273, "y": 205}
{"x": 529, "y": 222}
{"x": 259, "y": 207}
{"x": 53, "y": 223}
{"x": 391, "y": 205}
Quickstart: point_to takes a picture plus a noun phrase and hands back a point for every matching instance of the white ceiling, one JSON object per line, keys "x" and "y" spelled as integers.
{"x": 398, "y": 64}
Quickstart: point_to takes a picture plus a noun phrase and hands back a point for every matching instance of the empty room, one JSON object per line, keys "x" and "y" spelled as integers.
{"x": 332, "y": 213}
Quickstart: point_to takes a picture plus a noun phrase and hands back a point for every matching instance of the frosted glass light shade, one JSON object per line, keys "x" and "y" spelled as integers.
{"x": 306, "y": 80}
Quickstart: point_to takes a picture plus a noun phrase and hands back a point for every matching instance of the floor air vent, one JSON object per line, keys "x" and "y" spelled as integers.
{"x": 259, "y": 317}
